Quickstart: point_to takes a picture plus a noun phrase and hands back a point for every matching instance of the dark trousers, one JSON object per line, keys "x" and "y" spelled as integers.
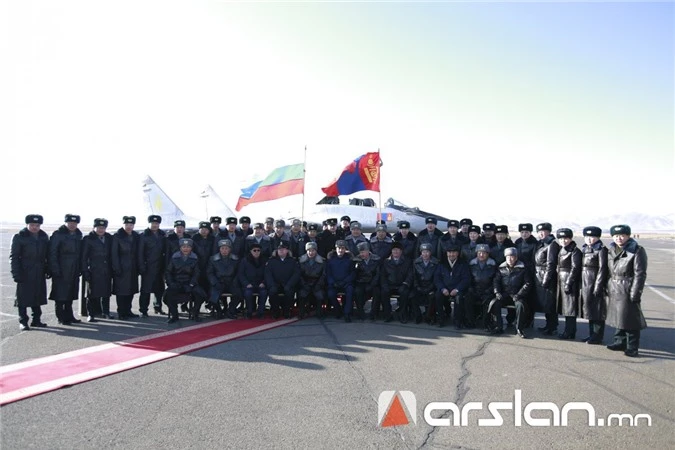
{"x": 628, "y": 338}
{"x": 184, "y": 294}
{"x": 98, "y": 305}
{"x": 124, "y": 305}
{"x": 596, "y": 330}
{"x": 281, "y": 299}
{"x": 144, "y": 300}
{"x": 36, "y": 313}
{"x": 348, "y": 300}
{"x": 362, "y": 292}
{"x": 551, "y": 321}
{"x": 262, "y": 299}
{"x": 520, "y": 312}
{"x": 419, "y": 299}
{"x": 305, "y": 296}
{"x": 571, "y": 325}
{"x": 64, "y": 311}
{"x": 385, "y": 295}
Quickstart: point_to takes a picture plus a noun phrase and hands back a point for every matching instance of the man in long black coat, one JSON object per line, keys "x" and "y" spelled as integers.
{"x": 151, "y": 260}
{"x": 65, "y": 247}
{"x": 97, "y": 270}
{"x": 28, "y": 257}
{"x": 125, "y": 267}
{"x": 282, "y": 275}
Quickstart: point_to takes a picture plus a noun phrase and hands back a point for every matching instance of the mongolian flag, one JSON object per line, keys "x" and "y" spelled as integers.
{"x": 362, "y": 174}
{"x": 282, "y": 182}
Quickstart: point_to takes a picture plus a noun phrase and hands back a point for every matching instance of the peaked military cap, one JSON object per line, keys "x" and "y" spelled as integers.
{"x": 178, "y": 223}
{"x": 297, "y": 222}
{"x": 347, "y": 218}
{"x": 525, "y": 227}
{"x": 620, "y": 229}
{"x": 280, "y": 223}
{"x": 72, "y": 218}
{"x": 331, "y": 221}
{"x": 129, "y": 219}
{"x": 355, "y": 224}
{"x": 258, "y": 225}
{"x": 100, "y": 222}
{"x": 592, "y": 231}
{"x": 34, "y": 218}
{"x": 545, "y": 226}
{"x": 564, "y": 233}
{"x": 269, "y": 220}
{"x": 154, "y": 218}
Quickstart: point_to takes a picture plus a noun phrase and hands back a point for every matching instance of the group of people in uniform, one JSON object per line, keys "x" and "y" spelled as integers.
{"x": 465, "y": 276}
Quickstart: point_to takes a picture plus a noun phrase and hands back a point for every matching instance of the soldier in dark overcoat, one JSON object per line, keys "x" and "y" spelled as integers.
{"x": 65, "y": 247}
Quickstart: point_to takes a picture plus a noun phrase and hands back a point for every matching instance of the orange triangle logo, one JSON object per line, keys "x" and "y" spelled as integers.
{"x": 396, "y": 414}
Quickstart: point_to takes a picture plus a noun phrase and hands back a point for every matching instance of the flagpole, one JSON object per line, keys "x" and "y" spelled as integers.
{"x": 379, "y": 175}
{"x": 304, "y": 174}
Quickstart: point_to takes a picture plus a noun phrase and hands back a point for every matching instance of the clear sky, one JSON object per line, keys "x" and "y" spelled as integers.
{"x": 479, "y": 109}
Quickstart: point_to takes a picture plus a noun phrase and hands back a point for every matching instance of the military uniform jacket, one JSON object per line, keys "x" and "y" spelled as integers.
{"x": 238, "y": 242}
{"x": 569, "y": 277}
{"x": 456, "y": 277}
{"x": 29, "y": 266}
{"x": 173, "y": 244}
{"x": 151, "y": 258}
{"x": 251, "y": 271}
{"x": 526, "y": 249}
{"x": 182, "y": 272}
{"x": 298, "y": 241}
{"x": 513, "y": 281}
{"x": 368, "y": 270}
{"x": 396, "y": 273}
{"x": 265, "y": 244}
{"x": 381, "y": 248}
{"x": 482, "y": 279}
{"x": 594, "y": 281}
{"x": 545, "y": 264}
{"x": 340, "y": 271}
{"x": 425, "y": 238}
{"x": 285, "y": 236}
{"x": 497, "y": 251}
{"x": 223, "y": 270}
{"x": 469, "y": 251}
{"x": 409, "y": 245}
{"x": 327, "y": 242}
{"x": 97, "y": 264}
{"x": 353, "y": 241}
{"x": 447, "y": 240}
{"x": 125, "y": 262}
{"x": 312, "y": 275}
{"x": 280, "y": 272}
{"x": 423, "y": 275}
{"x": 65, "y": 249}
{"x": 628, "y": 273}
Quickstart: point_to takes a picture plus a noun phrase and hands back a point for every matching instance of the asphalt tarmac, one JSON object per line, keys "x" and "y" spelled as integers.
{"x": 316, "y": 384}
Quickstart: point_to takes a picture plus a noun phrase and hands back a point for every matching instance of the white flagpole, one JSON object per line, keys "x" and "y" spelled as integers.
{"x": 304, "y": 175}
{"x": 379, "y": 175}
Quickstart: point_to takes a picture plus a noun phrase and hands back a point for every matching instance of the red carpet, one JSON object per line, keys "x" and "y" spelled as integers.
{"x": 34, "y": 377}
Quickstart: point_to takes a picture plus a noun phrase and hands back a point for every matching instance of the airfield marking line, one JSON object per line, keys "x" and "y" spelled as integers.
{"x": 14, "y": 316}
{"x": 96, "y": 348}
{"x": 661, "y": 294}
{"x": 23, "y": 388}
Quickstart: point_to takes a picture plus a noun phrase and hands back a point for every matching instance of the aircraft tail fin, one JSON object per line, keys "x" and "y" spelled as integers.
{"x": 215, "y": 205}
{"x": 157, "y": 202}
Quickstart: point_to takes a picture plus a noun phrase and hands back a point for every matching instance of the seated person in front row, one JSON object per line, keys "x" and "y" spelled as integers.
{"x": 222, "y": 273}
{"x": 182, "y": 277}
